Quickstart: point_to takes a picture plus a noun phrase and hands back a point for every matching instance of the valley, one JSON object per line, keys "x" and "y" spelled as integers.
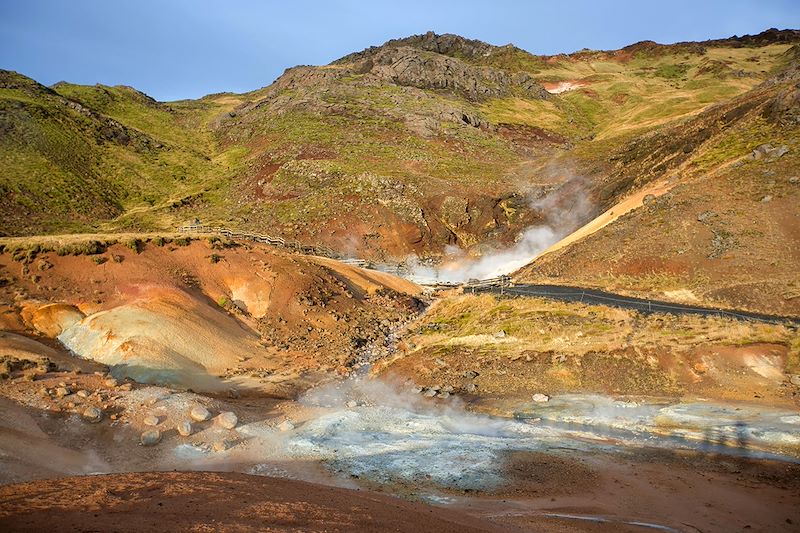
{"x": 345, "y": 373}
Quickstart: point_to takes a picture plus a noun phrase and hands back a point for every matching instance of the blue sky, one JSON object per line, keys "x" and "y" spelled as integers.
{"x": 188, "y": 48}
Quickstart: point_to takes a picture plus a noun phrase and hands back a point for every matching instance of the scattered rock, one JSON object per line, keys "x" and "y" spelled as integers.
{"x": 767, "y": 198}
{"x": 794, "y": 179}
{"x": 447, "y": 388}
{"x": 706, "y": 215}
{"x": 471, "y": 374}
{"x": 648, "y": 199}
{"x": 286, "y": 425}
{"x": 470, "y": 387}
{"x": 126, "y": 387}
{"x": 199, "y": 413}
{"x": 184, "y": 428}
{"x": 92, "y": 414}
{"x": 540, "y": 398}
{"x": 82, "y": 394}
{"x": 110, "y": 383}
{"x": 769, "y": 152}
{"x": 151, "y": 437}
{"x": 227, "y": 420}
{"x": 500, "y": 334}
{"x": 151, "y": 420}
{"x": 61, "y": 392}
{"x": 795, "y": 380}
{"x": 444, "y": 394}
{"x": 351, "y": 404}
{"x": 429, "y": 393}
{"x": 222, "y": 445}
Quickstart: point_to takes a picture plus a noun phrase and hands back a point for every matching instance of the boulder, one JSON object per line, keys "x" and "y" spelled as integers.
{"x": 227, "y": 420}
{"x": 151, "y": 437}
{"x": 199, "y": 413}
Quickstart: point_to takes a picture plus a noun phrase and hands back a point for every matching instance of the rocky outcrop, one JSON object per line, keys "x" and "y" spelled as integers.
{"x": 425, "y": 70}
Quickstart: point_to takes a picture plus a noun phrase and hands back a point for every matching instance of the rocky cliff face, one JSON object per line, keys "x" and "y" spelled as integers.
{"x": 442, "y": 62}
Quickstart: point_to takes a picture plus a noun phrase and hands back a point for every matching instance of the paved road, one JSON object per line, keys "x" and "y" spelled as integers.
{"x": 591, "y": 296}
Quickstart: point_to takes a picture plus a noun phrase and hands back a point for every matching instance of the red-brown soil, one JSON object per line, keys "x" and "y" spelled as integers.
{"x": 210, "y": 501}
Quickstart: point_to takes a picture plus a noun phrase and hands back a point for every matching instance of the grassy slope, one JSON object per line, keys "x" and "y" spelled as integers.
{"x": 293, "y": 169}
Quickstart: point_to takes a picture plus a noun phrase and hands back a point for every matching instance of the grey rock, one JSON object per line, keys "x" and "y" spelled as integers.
{"x": 199, "y": 413}
{"x": 706, "y": 215}
{"x": 471, "y": 374}
{"x": 151, "y": 437}
{"x": 92, "y": 414}
{"x": 227, "y": 420}
{"x": 540, "y": 398}
{"x": 286, "y": 425}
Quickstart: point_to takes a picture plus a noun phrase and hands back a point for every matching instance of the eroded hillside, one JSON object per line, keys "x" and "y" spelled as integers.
{"x": 400, "y": 149}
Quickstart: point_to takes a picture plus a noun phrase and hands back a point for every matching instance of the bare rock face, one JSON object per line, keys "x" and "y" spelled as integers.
{"x": 785, "y": 108}
{"x": 184, "y": 428}
{"x": 409, "y": 66}
{"x": 227, "y": 420}
{"x": 151, "y": 437}
{"x": 200, "y": 413}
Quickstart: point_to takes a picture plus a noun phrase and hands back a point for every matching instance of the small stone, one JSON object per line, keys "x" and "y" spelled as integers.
{"x": 444, "y": 394}
{"x": 82, "y": 394}
{"x": 227, "y": 420}
{"x": 93, "y": 414}
{"x": 794, "y": 179}
{"x": 500, "y": 334}
{"x": 151, "y": 420}
{"x": 43, "y": 392}
{"x": 286, "y": 425}
{"x": 767, "y": 198}
{"x": 795, "y": 379}
{"x": 221, "y": 445}
{"x": 126, "y": 387}
{"x": 471, "y": 374}
{"x": 540, "y": 398}
{"x": 151, "y": 437}
{"x": 470, "y": 387}
{"x": 110, "y": 382}
{"x": 184, "y": 428}
{"x": 351, "y": 404}
{"x": 447, "y": 388}
{"x": 62, "y": 391}
{"x": 200, "y": 413}
{"x": 429, "y": 393}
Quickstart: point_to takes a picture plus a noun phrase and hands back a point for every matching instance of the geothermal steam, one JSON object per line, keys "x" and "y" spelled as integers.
{"x": 565, "y": 209}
